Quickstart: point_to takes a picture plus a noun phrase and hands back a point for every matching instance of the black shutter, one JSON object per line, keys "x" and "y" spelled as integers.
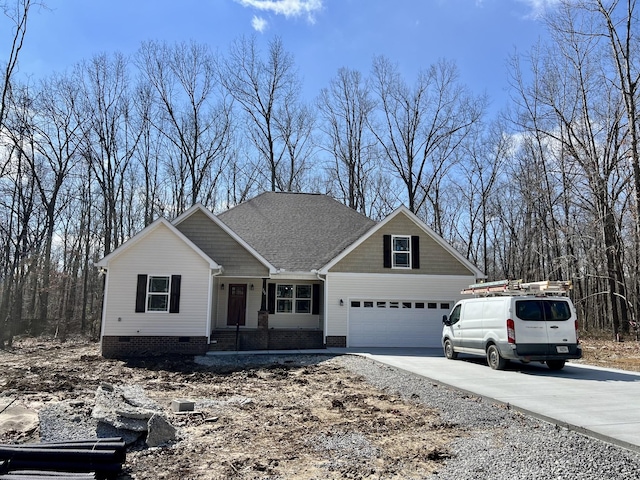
{"x": 415, "y": 252}
{"x": 271, "y": 298}
{"x": 174, "y": 296}
{"x": 315, "y": 299}
{"x": 386, "y": 250}
{"x": 141, "y": 294}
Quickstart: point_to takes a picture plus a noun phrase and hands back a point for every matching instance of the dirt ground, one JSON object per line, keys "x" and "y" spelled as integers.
{"x": 310, "y": 419}
{"x": 307, "y": 419}
{"x": 623, "y": 355}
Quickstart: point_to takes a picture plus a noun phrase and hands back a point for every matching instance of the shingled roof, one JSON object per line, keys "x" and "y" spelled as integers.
{"x": 297, "y": 232}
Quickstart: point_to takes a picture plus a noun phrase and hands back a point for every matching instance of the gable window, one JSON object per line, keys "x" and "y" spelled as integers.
{"x": 158, "y": 293}
{"x": 293, "y": 298}
{"x": 401, "y": 251}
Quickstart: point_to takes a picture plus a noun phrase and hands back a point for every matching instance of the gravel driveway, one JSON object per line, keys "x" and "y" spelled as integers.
{"x": 502, "y": 443}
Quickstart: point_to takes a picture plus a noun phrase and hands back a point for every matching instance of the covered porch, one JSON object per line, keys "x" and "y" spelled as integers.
{"x": 281, "y": 313}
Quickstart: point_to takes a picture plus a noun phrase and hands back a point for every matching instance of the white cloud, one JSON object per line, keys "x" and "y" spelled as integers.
{"x": 539, "y": 7}
{"x": 288, "y": 8}
{"x": 259, "y": 24}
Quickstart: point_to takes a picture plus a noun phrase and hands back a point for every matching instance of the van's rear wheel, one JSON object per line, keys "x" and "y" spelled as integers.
{"x": 495, "y": 361}
{"x": 449, "y": 352}
{"x": 555, "y": 364}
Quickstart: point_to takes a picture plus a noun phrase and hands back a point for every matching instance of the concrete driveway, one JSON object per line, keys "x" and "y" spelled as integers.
{"x": 602, "y": 403}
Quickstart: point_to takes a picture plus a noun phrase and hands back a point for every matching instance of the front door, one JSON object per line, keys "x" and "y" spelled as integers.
{"x": 237, "y": 305}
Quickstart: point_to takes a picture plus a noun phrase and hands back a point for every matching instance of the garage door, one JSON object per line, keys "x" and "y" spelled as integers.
{"x": 385, "y": 323}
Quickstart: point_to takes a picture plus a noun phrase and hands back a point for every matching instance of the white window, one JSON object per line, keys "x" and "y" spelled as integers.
{"x": 293, "y": 298}
{"x": 401, "y": 251}
{"x": 158, "y": 289}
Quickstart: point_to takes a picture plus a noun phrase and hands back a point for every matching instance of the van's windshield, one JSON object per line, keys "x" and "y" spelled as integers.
{"x": 541, "y": 309}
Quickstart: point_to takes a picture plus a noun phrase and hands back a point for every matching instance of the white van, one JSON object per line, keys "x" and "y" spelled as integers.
{"x": 513, "y": 327}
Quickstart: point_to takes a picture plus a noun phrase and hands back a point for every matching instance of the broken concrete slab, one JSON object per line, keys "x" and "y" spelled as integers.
{"x": 160, "y": 431}
{"x": 125, "y": 411}
{"x": 18, "y": 419}
{"x": 125, "y": 407}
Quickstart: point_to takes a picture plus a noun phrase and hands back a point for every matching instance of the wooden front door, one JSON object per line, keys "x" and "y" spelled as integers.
{"x": 237, "y": 306}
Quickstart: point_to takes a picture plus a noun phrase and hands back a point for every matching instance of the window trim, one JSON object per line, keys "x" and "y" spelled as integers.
{"x": 388, "y": 255}
{"x": 294, "y": 299}
{"x": 407, "y": 252}
{"x": 143, "y": 293}
{"x": 149, "y": 294}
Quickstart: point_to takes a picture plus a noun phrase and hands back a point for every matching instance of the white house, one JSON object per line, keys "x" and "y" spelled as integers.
{"x": 280, "y": 271}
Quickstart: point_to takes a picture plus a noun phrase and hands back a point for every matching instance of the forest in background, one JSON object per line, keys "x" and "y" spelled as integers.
{"x": 548, "y": 188}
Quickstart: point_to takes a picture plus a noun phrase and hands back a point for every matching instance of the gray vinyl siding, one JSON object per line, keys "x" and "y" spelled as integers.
{"x": 221, "y": 247}
{"x": 434, "y": 259}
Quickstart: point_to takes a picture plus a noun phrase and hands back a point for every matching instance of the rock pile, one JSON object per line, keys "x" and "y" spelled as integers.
{"x": 119, "y": 411}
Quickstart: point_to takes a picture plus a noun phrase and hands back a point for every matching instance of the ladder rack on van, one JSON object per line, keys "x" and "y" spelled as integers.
{"x": 518, "y": 287}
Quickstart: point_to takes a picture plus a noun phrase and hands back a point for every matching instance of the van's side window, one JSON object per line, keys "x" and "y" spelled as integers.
{"x": 455, "y": 315}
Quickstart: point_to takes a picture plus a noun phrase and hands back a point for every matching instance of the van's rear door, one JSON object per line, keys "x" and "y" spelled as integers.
{"x": 545, "y": 323}
{"x": 560, "y": 327}
{"x": 530, "y": 327}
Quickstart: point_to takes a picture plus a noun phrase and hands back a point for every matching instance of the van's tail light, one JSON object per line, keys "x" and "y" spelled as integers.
{"x": 511, "y": 331}
{"x": 577, "y": 332}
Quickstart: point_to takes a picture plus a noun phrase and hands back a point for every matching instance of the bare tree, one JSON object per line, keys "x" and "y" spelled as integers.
{"x": 423, "y": 125}
{"x": 18, "y": 13}
{"x": 194, "y": 117}
{"x": 477, "y": 183}
{"x": 620, "y": 29}
{"x": 20, "y": 235}
{"x": 573, "y": 108}
{"x": 264, "y": 88}
{"x": 110, "y": 142}
{"x": 346, "y": 108}
{"x": 16, "y": 186}
{"x": 150, "y": 154}
{"x": 48, "y": 135}
{"x": 295, "y": 123}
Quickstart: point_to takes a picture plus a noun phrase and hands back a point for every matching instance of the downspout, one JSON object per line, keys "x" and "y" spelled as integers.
{"x": 210, "y": 304}
{"x": 325, "y": 310}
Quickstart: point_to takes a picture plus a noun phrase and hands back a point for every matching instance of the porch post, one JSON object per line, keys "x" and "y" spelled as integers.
{"x": 263, "y": 314}
{"x": 263, "y": 303}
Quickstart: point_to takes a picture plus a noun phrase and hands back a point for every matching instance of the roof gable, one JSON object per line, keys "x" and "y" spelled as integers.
{"x": 403, "y": 222}
{"x": 200, "y": 210}
{"x": 145, "y": 232}
{"x": 296, "y": 232}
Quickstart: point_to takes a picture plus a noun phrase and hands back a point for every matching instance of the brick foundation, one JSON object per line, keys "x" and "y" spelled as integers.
{"x": 336, "y": 341}
{"x": 263, "y": 339}
{"x": 292, "y": 339}
{"x": 135, "y": 346}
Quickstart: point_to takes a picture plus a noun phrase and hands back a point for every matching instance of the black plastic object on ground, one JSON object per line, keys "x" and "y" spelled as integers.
{"x": 96, "y": 458}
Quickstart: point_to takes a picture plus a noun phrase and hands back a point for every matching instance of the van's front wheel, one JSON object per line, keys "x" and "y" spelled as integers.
{"x": 495, "y": 361}
{"x": 449, "y": 352}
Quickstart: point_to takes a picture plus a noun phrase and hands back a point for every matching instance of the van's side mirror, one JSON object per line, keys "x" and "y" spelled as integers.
{"x": 445, "y": 320}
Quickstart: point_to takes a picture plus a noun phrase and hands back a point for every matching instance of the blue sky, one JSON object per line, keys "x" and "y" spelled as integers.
{"x": 323, "y": 35}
